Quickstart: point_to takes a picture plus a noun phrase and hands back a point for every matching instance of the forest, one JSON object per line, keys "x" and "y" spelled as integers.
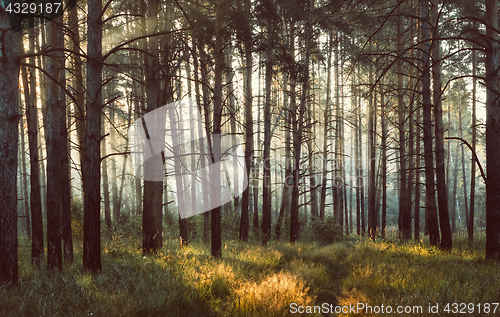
{"x": 249, "y": 158}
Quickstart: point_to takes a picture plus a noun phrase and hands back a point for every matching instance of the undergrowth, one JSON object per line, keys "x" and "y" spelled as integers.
{"x": 253, "y": 280}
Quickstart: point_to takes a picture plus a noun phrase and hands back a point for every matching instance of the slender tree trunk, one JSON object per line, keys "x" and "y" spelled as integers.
{"x": 105, "y": 180}
{"x": 430, "y": 193}
{"x": 326, "y": 130}
{"x": 454, "y": 206}
{"x": 91, "y": 181}
{"x": 245, "y": 200}
{"x": 65, "y": 169}
{"x": 152, "y": 231}
{"x": 37, "y": 249}
{"x": 52, "y": 120}
{"x": 266, "y": 181}
{"x": 78, "y": 84}
{"x": 298, "y": 130}
{"x": 417, "y": 175}
{"x": 112, "y": 144}
{"x": 26, "y": 207}
{"x": 219, "y": 61}
{"x": 473, "y": 163}
{"x": 444, "y": 218}
{"x": 464, "y": 169}
{"x": 372, "y": 172}
{"x": 404, "y": 208}
{"x": 384, "y": 161}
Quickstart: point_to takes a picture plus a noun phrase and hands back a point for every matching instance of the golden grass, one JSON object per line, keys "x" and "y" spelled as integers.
{"x": 251, "y": 280}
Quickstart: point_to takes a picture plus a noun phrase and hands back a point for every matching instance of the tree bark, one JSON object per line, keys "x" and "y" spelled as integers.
{"x": 245, "y": 200}
{"x": 326, "y": 131}
{"x": 91, "y": 181}
{"x": 152, "y": 230}
{"x": 52, "y": 121}
{"x": 444, "y": 218}
{"x": 9, "y": 116}
{"x": 298, "y": 126}
{"x": 266, "y": 167}
{"x": 404, "y": 208}
{"x": 430, "y": 193}
{"x": 492, "y": 133}
{"x": 216, "y": 148}
{"x": 37, "y": 249}
{"x": 473, "y": 163}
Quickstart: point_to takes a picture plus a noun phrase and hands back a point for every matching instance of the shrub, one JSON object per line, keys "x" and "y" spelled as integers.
{"x": 77, "y": 218}
{"x": 323, "y": 231}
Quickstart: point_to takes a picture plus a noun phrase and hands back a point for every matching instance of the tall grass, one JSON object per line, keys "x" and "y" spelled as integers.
{"x": 251, "y": 280}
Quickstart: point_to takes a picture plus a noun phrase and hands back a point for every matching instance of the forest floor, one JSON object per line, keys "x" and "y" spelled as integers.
{"x": 252, "y": 280}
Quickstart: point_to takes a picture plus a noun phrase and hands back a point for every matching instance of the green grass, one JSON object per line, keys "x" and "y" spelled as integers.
{"x": 251, "y": 280}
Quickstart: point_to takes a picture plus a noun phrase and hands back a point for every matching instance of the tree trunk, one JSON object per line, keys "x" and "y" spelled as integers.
{"x": 372, "y": 172}
{"x": 37, "y": 249}
{"x": 492, "y": 133}
{"x": 78, "y": 84}
{"x": 266, "y": 181}
{"x": 105, "y": 180}
{"x": 430, "y": 194}
{"x": 245, "y": 199}
{"x": 9, "y": 116}
{"x": 91, "y": 181}
{"x": 404, "y": 208}
{"x": 417, "y": 175}
{"x": 26, "y": 207}
{"x": 112, "y": 144}
{"x": 65, "y": 168}
{"x": 216, "y": 148}
{"x": 152, "y": 230}
{"x": 298, "y": 126}
{"x": 444, "y": 218}
{"x": 384, "y": 161}
{"x": 52, "y": 120}
{"x": 464, "y": 169}
{"x": 473, "y": 163}
{"x": 326, "y": 130}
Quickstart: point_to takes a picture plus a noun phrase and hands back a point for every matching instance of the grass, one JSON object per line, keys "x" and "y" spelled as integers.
{"x": 251, "y": 280}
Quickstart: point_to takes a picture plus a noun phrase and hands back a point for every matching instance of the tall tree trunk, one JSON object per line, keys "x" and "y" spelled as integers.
{"x": 26, "y": 207}
{"x": 372, "y": 172}
{"x": 444, "y": 218}
{"x": 404, "y": 208}
{"x": 112, "y": 143}
{"x": 266, "y": 181}
{"x": 9, "y": 116}
{"x": 153, "y": 186}
{"x": 492, "y": 133}
{"x": 35, "y": 193}
{"x": 464, "y": 169}
{"x": 298, "y": 126}
{"x": 105, "y": 180}
{"x": 52, "y": 120}
{"x": 326, "y": 130}
{"x": 78, "y": 84}
{"x": 65, "y": 168}
{"x": 454, "y": 204}
{"x": 91, "y": 180}
{"x": 430, "y": 193}
{"x": 417, "y": 175}
{"x": 216, "y": 148}
{"x": 203, "y": 108}
{"x": 245, "y": 199}
{"x": 384, "y": 161}
{"x": 473, "y": 163}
